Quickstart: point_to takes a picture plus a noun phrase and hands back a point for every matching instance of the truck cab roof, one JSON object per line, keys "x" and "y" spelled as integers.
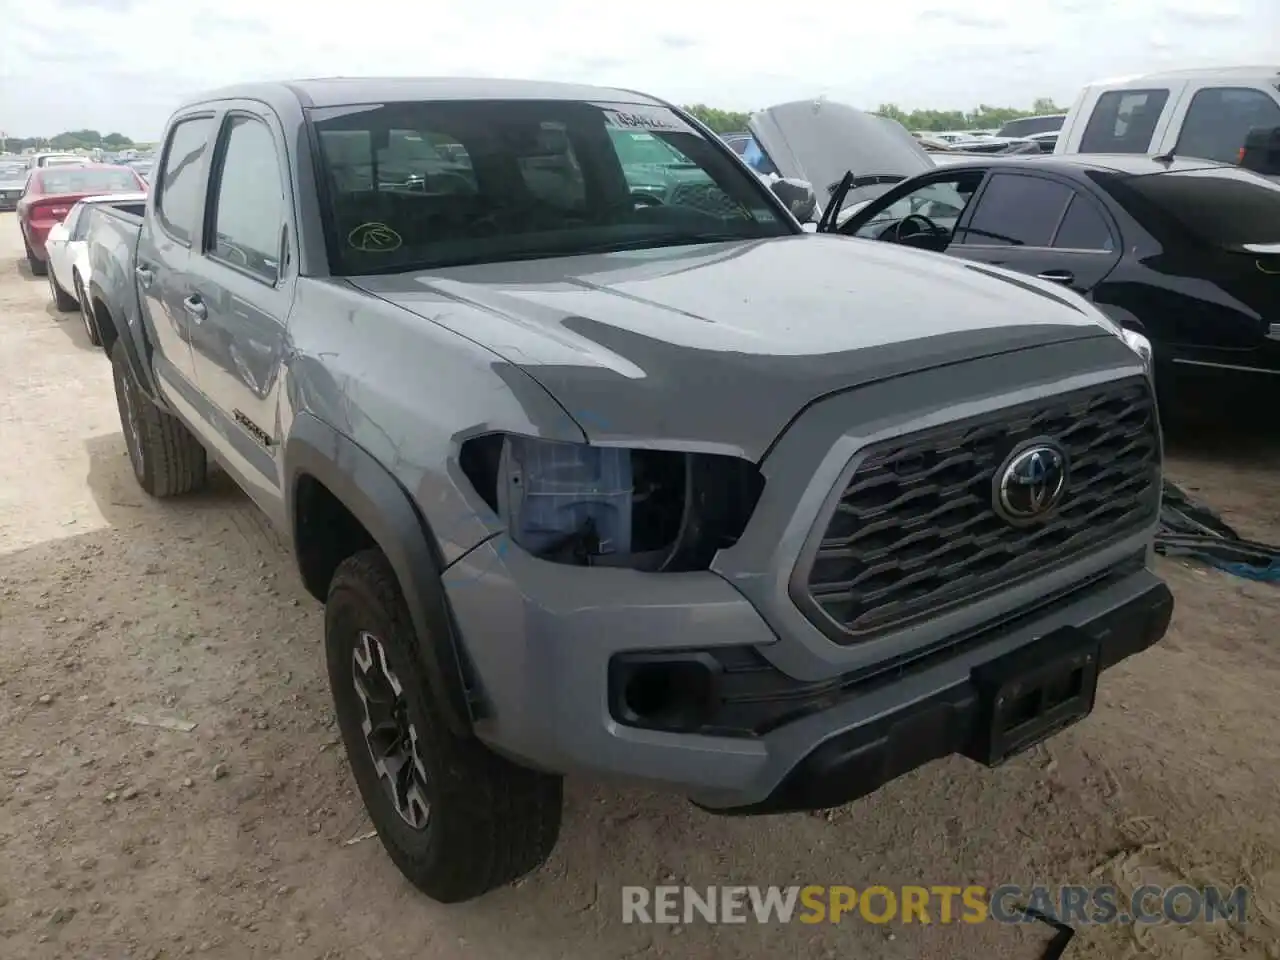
{"x": 343, "y": 91}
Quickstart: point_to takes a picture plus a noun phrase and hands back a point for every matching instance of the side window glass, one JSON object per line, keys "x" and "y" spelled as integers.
{"x": 250, "y": 208}
{"x": 941, "y": 202}
{"x": 1124, "y": 121}
{"x": 1083, "y": 228}
{"x": 1219, "y": 119}
{"x": 1018, "y": 211}
{"x": 181, "y": 177}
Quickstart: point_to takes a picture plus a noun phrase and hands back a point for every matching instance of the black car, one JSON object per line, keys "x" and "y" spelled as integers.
{"x": 1184, "y": 251}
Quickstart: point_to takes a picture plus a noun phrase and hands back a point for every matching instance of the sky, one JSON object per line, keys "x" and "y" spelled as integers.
{"x": 122, "y": 65}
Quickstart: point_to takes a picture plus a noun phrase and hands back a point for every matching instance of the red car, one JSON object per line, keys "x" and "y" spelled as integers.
{"x": 51, "y": 193}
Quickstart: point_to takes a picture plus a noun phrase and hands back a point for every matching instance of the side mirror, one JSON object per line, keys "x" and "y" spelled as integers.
{"x": 799, "y": 197}
{"x": 1261, "y": 151}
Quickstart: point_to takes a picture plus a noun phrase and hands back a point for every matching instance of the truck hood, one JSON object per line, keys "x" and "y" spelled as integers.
{"x": 820, "y": 141}
{"x": 718, "y": 346}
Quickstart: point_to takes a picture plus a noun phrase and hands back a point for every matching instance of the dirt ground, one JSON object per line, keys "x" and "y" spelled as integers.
{"x": 241, "y": 837}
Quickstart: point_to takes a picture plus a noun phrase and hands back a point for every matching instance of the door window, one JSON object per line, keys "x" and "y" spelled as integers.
{"x": 181, "y": 180}
{"x": 1124, "y": 121}
{"x": 1083, "y": 228}
{"x": 250, "y": 210}
{"x": 939, "y": 201}
{"x": 1017, "y": 211}
{"x": 1219, "y": 119}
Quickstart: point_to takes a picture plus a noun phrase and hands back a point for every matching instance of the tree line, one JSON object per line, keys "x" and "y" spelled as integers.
{"x": 70, "y": 140}
{"x": 981, "y": 117}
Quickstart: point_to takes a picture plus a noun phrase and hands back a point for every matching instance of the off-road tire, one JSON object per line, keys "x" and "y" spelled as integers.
{"x": 38, "y": 267}
{"x": 491, "y": 821}
{"x": 167, "y": 459}
{"x": 62, "y": 300}
{"x": 86, "y": 312}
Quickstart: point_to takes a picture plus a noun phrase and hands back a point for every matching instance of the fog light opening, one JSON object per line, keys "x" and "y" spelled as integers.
{"x": 674, "y": 695}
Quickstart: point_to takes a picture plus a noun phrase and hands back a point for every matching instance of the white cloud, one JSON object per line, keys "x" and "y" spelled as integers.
{"x": 122, "y": 64}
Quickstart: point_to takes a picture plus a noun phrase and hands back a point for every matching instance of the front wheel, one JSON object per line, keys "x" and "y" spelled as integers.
{"x": 455, "y": 818}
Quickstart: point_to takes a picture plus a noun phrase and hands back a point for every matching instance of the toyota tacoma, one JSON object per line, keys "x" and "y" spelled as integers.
{"x": 635, "y": 483}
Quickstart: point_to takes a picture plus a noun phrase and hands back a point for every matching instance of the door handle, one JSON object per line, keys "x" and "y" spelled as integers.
{"x": 1273, "y": 333}
{"x": 195, "y": 308}
{"x": 1057, "y": 276}
{"x": 144, "y": 275}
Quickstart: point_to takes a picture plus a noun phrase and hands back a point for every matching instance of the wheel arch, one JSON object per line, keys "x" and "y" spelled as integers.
{"x": 316, "y": 452}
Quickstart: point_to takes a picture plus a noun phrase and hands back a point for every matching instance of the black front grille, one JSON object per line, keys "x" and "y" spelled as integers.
{"x": 916, "y": 529}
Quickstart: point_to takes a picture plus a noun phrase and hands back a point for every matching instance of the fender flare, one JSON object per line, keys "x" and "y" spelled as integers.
{"x": 122, "y": 332}
{"x": 384, "y": 508}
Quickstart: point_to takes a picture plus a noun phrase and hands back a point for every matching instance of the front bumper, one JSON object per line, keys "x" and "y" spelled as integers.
{"x": 541, "y": 637}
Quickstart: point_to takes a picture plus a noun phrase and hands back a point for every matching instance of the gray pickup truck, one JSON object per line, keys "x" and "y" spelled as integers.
{"x": 647, "y": 484}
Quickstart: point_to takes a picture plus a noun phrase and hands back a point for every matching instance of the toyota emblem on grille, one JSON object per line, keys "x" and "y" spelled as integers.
{"x": 1031, "y": 482}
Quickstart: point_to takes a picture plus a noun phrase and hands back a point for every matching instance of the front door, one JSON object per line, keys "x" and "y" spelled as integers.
{"x": 242, "y": 285}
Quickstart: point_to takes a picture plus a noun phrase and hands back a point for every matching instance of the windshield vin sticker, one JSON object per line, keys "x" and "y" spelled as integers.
{"x": 644, "y": 119}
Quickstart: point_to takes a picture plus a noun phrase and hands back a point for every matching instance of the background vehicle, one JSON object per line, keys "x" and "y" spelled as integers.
{"x": 68, "y": 255}
{"x": 469, "y": 409}
{"x": 1030, "y": 126}
{"x": 1187, "y": 252}
{"x": 1205, "y": 113}
{"x": 52, "y": 191}
{"x": 142, "y": 165}
{"x": 13, "y": 180}
{"x": 40, "y": 160}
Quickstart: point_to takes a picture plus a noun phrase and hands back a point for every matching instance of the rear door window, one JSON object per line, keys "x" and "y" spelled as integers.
{"x": 1083, "y": 228}
{"x": 1016, "y": 210}
{"x": 1219, "y": 119}
{"x": 180, "y": 184}
{"x": 1124, "y": 121}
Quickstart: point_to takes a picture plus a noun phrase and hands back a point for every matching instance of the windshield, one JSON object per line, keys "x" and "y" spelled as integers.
{"x": 1223, "y": 207}
{"x": 87, "y": 180}
{"x": 13, "y": 171}
{"x": 423, "y": 185}
{"x": 63, "y": 161}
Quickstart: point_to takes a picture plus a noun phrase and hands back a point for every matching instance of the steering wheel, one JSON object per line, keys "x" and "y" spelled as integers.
{"x": 929, "y": 228}
{"x": 642, "y": 198}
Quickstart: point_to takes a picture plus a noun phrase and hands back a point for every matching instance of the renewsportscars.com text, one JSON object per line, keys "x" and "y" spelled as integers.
{"x": 1009, "y": 903}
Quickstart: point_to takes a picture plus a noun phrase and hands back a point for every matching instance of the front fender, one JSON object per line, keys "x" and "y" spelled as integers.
{"x": 385, "y": 509}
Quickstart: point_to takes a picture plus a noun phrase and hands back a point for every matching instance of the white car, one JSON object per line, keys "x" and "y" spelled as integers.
{"x": 69, "y": 255}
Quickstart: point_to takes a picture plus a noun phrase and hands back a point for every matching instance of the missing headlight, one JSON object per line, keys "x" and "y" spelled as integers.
{"x": 655, "y": 510}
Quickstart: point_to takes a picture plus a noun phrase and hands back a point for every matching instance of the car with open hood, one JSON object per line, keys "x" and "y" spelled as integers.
{"x": 649, "y": 485}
